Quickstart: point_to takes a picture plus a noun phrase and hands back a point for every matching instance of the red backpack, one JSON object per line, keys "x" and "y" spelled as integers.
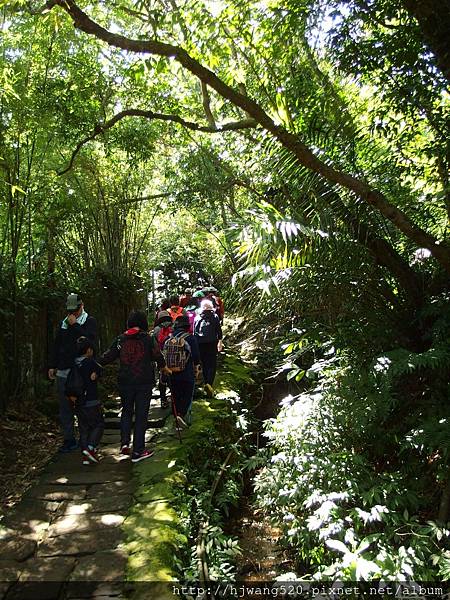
{"x": 163, "y": 334}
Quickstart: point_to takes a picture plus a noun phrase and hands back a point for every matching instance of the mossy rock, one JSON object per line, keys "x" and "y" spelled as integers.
{"x": 155, "y": 492}
{"x": 154, "y": 537}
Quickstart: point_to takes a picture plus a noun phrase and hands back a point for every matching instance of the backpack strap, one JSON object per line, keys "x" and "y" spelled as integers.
{"x": 183, "y": 337}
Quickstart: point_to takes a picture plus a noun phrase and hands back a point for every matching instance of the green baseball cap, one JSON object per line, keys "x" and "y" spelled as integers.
{"x": 73, "y": 302}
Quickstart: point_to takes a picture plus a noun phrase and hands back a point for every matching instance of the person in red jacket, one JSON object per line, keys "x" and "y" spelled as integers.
{"x": 164, "y": 328}
{"x": 137, "y": 350}
{"x": 185, "y": 298}
{"x": 175, "y": 309}
{"x": 220, "y": 309}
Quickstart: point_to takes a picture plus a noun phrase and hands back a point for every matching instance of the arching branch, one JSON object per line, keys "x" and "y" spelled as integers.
{"x": 290, "y": 141}
{"x": 149, "y": 114}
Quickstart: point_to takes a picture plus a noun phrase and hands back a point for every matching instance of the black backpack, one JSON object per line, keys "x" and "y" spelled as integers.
{"x": 74, "y": 387}
{"x": 206, "y": 328}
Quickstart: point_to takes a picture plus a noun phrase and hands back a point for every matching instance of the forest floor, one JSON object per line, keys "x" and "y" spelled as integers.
{"x": 28, "y": 440}
{"x": 262, "y": 557}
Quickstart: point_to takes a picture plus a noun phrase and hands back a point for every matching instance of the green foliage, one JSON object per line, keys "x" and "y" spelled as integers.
{"x": 214, "y": 479}
{"x": 351, "y": 504}
{"x": 200, "y": 506}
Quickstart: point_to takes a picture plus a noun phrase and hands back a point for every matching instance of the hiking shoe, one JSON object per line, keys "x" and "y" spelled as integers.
{"x": 68, "y": 446}
{"x": 125, "y": 450}
{"x": 181, "y": 422}
{"x": 85, "y": 461}
{"x": 91, "y": 455}
{"x": 142, "y": 456}
{"x": 209, "y": 390}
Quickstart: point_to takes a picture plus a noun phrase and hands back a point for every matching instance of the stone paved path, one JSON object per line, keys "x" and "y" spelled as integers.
{"x": 64, "y": 539}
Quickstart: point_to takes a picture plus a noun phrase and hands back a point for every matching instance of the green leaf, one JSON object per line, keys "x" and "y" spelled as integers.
{"x": 337, "y": 545}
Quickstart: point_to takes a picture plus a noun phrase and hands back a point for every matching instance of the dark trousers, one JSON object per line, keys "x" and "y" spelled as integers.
{"x": 65, "y": 410}
{"x": 135, "y": 400}
{"x": 90, "y": 425}
{"x": 182, "y": 391}
{"x": 162, "y": 390}
{"x": 208, "y": 358}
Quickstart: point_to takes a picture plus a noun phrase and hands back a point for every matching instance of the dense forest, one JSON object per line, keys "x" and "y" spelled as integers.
{"x": 296, "y": 155}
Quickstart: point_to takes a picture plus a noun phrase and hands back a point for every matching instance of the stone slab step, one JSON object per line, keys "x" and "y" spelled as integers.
{"x": 119, "y": 503}
{"x": 81, "y": 543}
{"x": 95, "y": 523}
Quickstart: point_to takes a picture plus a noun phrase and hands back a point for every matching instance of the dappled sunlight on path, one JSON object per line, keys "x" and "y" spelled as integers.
{"x": 67, "y": 530}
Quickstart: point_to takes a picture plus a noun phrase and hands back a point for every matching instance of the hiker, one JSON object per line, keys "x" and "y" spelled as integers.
{"x": 208, "y": 295}
{"x": 76, "y": 324}
{"x": 191, "y": 312}
{"x": 185, "y": 298}
{"x": 175, "y": 310}
{"x": 183, "y": 359}
{"x": 87, "y": 406}
{"x": 208, "y": 332}
{"x": 220, "y": 310}
{"x": 165, "y": 305}
{"x": 136, "y": 350}
{"x": 161, "y": 332}
{"x": 197, "y": 297}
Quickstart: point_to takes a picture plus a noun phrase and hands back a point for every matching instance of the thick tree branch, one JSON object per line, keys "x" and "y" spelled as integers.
{"x": 289, "y": 140}
{"x": 148, "y": 114}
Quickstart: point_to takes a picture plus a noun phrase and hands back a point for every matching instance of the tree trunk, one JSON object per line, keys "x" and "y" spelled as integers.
{"x": 444, "y": 507}
{"x": 433, "y": 17}
{"x": 386, "y": 256}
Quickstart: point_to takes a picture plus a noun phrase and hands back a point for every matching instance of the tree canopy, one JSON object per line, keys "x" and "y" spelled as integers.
{"x": 295, "y": 153}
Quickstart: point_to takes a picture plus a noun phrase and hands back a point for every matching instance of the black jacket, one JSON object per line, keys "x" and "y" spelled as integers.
{"x": 88, "y": 366}
{"x": 136, "y": 350}
{"x": 64, "y": 351}
{"x": 207, "y": 327}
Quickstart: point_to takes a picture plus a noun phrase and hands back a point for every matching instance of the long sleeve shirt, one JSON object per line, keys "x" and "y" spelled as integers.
{"x": 64, "y": 350}
{"x": 137, "y": 352}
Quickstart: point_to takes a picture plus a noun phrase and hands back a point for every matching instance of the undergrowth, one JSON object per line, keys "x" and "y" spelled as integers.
{"x": 356, "y": 464}
{"x": 214, "y": 479}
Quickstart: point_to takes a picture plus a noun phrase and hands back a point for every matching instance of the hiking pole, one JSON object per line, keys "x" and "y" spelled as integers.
{"x": 175, "y": 415}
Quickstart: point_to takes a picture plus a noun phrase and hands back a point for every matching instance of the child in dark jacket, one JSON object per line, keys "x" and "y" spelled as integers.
{"x": 137, "y": 351}
{"x": 87, "y": 407}
{"x": 182, "y": 383}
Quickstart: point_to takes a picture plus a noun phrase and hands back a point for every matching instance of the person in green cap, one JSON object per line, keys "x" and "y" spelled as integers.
{"x": 199, "y": 294}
